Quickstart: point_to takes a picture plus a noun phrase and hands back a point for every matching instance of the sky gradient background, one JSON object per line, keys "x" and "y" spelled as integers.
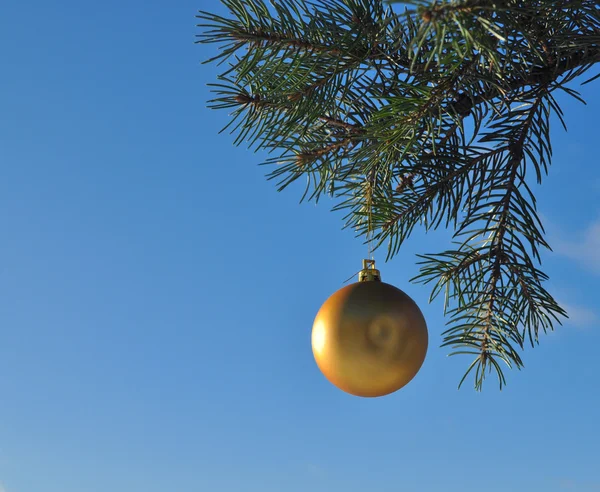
{"x": 157, "y": 294}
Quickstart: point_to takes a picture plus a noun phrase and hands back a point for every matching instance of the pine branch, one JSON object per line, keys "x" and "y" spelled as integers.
{"x": 433, "y": 116}
{"x": 488, "y": 347}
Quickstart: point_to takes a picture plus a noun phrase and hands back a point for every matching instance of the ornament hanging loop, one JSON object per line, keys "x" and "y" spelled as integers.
{"x": 369, "y": 273}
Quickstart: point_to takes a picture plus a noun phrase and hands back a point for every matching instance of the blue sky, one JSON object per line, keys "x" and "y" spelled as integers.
{"x": 157, "y": 294}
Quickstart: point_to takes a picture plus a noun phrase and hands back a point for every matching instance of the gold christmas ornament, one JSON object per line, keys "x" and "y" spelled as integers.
{"x": 369, "y": 338}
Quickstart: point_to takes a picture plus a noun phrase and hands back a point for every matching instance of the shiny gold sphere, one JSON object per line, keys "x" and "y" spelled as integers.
{"x": 369, "y": 339}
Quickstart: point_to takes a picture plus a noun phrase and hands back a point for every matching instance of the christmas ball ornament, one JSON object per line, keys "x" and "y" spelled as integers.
{"x": 369, "y": 338}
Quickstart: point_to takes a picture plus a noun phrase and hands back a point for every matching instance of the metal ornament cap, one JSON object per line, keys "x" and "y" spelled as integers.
{"x": 369, "y": 338}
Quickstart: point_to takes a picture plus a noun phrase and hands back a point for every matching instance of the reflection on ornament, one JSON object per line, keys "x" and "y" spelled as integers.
{"x": 369, "y": 338}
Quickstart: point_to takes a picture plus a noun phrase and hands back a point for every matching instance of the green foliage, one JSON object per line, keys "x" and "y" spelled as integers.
{"x": 438, "y": 115}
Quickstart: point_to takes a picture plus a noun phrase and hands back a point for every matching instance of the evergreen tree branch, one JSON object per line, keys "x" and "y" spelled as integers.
{"x": 433, "y": 116}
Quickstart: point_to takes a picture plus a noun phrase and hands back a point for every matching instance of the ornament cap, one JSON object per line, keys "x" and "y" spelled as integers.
{"x": 369, "y": 273}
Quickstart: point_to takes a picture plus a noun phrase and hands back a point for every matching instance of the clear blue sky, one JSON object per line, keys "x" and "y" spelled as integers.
{"x": 157, "y": 294}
